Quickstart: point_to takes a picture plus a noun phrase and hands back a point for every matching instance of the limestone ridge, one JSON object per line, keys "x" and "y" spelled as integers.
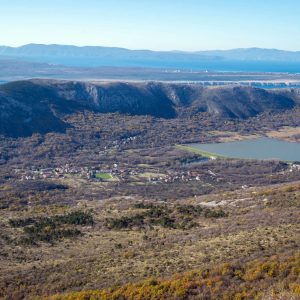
{"x": 39, "y": 106}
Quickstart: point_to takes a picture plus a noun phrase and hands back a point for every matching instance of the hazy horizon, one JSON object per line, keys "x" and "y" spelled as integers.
{"x": 144, "y": 49}
{"x": 157, "y": 25}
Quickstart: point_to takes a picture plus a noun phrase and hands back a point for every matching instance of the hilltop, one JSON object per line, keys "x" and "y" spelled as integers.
{"x": 39, "y": 106}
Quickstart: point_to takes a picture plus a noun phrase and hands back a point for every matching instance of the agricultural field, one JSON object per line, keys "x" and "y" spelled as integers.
{"x": 104, "y": 176}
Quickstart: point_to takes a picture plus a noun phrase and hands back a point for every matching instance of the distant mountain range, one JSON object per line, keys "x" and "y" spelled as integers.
{"x": 255, "y": 54}
{"x": 251, "y": 59}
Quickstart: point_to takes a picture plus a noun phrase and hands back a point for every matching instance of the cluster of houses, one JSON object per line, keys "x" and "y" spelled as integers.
{"x": 120, "y": 173}
{"x": 123, "y": 174}
{"x": 183, "y": 176}
{"x": 59, "y": 172}
{"x": 90, "y": 173}
{"x": 294, "y": 167}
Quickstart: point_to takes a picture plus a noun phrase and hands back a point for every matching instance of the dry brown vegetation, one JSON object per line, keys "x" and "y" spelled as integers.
{"x": 228, "y": 281}
{"x": 101, "y": 257}
{"x": 234, "y": 211}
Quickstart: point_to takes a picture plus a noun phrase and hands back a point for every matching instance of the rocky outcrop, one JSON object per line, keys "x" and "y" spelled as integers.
{"x": 39, "y": 105}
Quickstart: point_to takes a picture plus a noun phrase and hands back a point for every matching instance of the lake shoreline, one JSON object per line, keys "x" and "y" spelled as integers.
{"x": 259, "y": 148}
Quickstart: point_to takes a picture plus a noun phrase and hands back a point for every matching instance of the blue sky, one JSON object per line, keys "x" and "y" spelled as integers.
{"x": 153, "y": 24}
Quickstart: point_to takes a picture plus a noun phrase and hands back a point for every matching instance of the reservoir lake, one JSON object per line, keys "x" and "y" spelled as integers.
{"x": 260, "y": 148}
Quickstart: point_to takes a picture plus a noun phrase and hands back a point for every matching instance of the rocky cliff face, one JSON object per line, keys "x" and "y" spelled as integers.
{"x": 39, "y": 105}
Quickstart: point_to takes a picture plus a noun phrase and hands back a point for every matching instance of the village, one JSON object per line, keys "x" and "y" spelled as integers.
{"x": 114, "y": 173}
{"x": 128, "y": 174}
